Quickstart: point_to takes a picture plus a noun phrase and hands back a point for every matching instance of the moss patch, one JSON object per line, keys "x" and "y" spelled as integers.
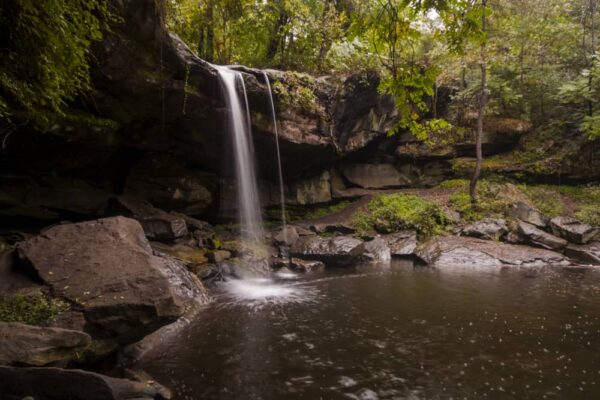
{"x": 36, "y": 309}
{"x": 396, "y": 212}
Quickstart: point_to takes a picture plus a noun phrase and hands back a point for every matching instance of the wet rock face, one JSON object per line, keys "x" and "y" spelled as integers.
{"x": 573, "y": 230}
{"x": 475, "y": 253}
{"x": 22, "y": 344}
{"x": 335, "y": 251}
{"x": 54, "y": 383}
{"x": 107, "y": 269}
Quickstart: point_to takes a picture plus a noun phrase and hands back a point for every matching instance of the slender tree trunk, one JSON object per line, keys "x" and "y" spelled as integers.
{"x": 210, "y": 33}
{"x": 592, "y": 54}
{"x": 480, "y": 111}
{"x": 275, "y": 39}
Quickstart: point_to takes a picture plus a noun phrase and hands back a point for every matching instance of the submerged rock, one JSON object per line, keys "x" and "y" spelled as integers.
{"x": 573, "y": 230}
{"x": 306, "y": 265}
{"x": 487, "y": 228}
{"x": 459, "y": 251}
{"x": 537, "y": 237}
{"x": 107, "y": 269}
{"x": 49, "y": 383}
{"x": 335, "y": 251}
{"x": 22, "y": 344}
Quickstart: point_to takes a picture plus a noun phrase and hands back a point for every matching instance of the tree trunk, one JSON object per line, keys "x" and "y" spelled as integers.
{"x": 275, "y": 39}
{"x": 592, "y": 55}
{"x": 210, "y": 33}
{"x": 480, "y": 111}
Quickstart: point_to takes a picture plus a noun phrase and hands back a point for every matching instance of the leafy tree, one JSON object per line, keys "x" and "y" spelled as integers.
{"x": 46, "y": 56}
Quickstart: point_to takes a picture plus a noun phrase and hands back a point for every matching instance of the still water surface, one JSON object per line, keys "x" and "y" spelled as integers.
{"x": 393, "y": 333}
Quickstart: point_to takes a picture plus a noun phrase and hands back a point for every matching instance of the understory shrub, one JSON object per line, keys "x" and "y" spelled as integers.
{"x": 395, "y": 212}
{"x": 35, "y": 309}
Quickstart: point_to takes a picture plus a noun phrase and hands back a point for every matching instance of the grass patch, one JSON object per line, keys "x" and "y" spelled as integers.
{"x": 36, "y": 309}
{"x": 396, "y": 212}
{"x": 546, "y": 199}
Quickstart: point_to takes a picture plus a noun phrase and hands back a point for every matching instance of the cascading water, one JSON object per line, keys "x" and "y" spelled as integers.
{"x": 251, "y": 225}
{"x": 252, "y": 290}
{"x": 279, "y": 168}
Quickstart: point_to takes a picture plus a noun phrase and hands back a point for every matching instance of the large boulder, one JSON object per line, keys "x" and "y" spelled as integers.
{"x": 461, "y": 251}
{"x": 573, "y": 230}
{"x": 487, "y": 228}
{"x": 374, "y": 176}
{"x": 107, "y": 269}
{"x": 22, "y": 344}
{"x": 334, "y": 251}
{"x": 73, "y": 384}
{"x": 537, "y": 237}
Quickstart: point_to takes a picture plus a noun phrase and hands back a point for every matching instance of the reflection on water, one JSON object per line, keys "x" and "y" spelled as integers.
{"x": 403, "y": 333}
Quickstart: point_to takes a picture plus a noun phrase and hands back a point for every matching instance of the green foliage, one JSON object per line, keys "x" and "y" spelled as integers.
{"x": 494, "y": 198}
{"x": 324, "y": 211}
{"x": 395, "y": 212}
{"x": 34, "y": 309}
{"x": 45, "y": 55}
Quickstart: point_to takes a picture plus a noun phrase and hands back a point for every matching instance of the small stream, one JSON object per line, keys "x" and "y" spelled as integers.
{"x": 392, "y": 333}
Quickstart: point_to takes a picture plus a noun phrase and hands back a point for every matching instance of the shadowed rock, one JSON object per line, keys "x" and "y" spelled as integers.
{"x": 73, "y": 384}
{"x": 38, "y": 346}
{"x": 335, "y": 251}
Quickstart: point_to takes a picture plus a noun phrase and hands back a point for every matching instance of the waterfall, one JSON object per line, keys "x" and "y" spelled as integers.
{"x": 250, "y": 218}
{"x": 279, "y": 168}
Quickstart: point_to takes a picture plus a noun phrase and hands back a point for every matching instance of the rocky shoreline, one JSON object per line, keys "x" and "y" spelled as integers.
{"x": 125, "y": 280}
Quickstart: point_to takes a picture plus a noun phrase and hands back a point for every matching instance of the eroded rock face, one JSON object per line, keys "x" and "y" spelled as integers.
{"x": 107, "y": 269}
{"x": 487, "y": 228}
{"x": 38, "y": 346}
{"x": 54, "y": 383}
{"x": 474, "y": 253}
{"x": 537, "y": 237}
{"x": 335, "y": 251}
{"x": 573, "y": 230}
{"x": 374, "y": 176}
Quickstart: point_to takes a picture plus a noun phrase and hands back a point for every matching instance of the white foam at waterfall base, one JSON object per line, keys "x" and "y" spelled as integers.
{"x": 259, "y": 292}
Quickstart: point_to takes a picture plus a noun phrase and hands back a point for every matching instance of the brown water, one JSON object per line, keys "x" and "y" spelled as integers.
{"x": 396, "y": 333}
